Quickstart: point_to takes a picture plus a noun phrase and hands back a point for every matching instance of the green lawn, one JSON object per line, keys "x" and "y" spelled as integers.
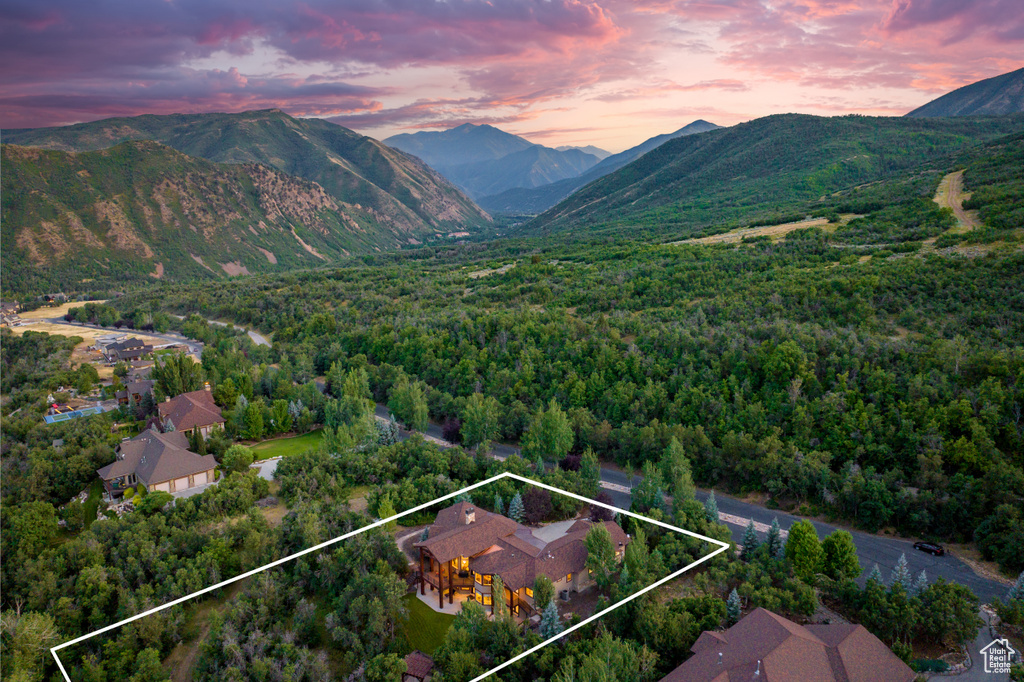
{"x": 426, "y": 628}
{"x": 286, "y": 447}
{"x": 92, "y": 503}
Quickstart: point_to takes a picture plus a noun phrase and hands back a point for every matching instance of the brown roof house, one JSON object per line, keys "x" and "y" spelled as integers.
{"x": 466, "y": 547}
{"x": 765, "y": 646}
{"x": 417, "y": 666}
{"x": 192, "y": 410}
{"x": 134, "y": 389}
{"x": 160, "y": 461}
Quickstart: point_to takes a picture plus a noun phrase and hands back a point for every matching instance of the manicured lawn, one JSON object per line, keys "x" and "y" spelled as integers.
{"x": 286, "y": 447}
{"x": 426, "y": 628}
{"x": 92, "y": 503}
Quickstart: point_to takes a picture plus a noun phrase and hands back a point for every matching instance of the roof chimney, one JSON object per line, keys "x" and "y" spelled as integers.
{"x": 206, "y": 386}
{"x": 757, "y": 673}
{"x": 167, "y": 399}
{"x": 719, "y": 658}
{"x": 470, "y": 515}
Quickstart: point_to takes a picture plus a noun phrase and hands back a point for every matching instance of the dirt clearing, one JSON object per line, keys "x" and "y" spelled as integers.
{"x": 57, "y": 311}
{"x": 950, "y": 194}
{"x": 776, "y": 232}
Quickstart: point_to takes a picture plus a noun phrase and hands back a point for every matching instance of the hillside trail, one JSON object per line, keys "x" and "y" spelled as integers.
{"x": 950, "y": 194}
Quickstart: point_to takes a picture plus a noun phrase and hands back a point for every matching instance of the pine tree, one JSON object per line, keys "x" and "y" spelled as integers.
{"x": 463, "y": 497}
{"x": 385, "y": 510}
{"x": 732, "y": 606}
{"x": 168, "y": 425}
{"x": 516, "y": 509}
{"x": 750, "y": 542}
{"x": 1017, "y": 591}
{"x": 876, "y": 575}
{"x": 624, "y": 579}
{"x": 499, "y": 504}
{"x": 498, "y": 598}
{"x": 711, "y": 508}
{"x": 901, "y": 574}
{"x": 550, "y": 622}
{"x": 425, "y": 535}
{"x": 921, "y": 585}
{"x": 539, "y": 464}
{"x": 774, "y": 539}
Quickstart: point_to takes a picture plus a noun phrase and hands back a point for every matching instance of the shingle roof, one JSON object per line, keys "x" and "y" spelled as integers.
{"x": 133, "y": 386}
{"x": 515, "y": 553}
{"x": 156, "y": 457}
{"x": 786, "y": 652}
{"x": 418, "y": 664}
{"x": 190, "y": 410}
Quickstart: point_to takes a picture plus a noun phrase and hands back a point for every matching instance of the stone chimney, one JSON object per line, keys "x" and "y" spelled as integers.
{"x": 167, "y": 399}
{"x": 470, "y": 515}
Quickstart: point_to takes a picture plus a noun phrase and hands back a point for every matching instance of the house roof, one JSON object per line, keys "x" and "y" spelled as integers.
{"x": 779, "y": 650}
{"x": 156, "y": 457}
{"x": 142, "y": 387}
{"x": 418, "y": 664}
{"x": 499, "y": 546}
{"x": 190, "y": 410}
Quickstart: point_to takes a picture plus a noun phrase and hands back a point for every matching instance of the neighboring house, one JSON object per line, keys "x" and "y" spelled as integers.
{"x": 417, "y": 666}
{"x": 9, "y": 314}
{"x": 127, "y": 350}
{"x": 466, "y": 547}
{"x": 134, "y": 390}
{"x": 193, "y": 410}
{"x": 160, "y": 461}
{"x": 766, "y": 646}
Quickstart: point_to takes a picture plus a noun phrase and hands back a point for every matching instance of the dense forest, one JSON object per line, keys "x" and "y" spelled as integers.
{"x": 879, "y": 385}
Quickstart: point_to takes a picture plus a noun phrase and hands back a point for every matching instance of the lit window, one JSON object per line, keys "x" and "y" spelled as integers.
{"x": 568, "y": 578}
{"x": 487, "y": 580}
{"x": 487, "y": 599}
{"x": 590, "y": 573}
{"x": 529, "y": 592}
{"x": 464, "y": 563}
{"x": 477, "y": 578}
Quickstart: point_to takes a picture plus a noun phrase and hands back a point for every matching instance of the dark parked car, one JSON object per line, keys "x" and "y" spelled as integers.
{"x": 930, "y": 547}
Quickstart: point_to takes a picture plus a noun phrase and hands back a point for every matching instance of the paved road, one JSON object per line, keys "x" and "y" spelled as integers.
{"x": 871, "y": 549}
{"x": 256, "y": 337}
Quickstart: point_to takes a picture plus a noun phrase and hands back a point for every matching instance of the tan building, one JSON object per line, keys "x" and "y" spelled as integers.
{"x": 160, "y": 461}
{"x": 192, "y": 410}
{"x": 466, "y": 547}
{"x": 766, "y": 646}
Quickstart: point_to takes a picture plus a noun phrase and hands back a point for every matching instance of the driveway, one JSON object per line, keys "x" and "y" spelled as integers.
{"x": 266, "y": 468}
{"x": 192, "y": 491}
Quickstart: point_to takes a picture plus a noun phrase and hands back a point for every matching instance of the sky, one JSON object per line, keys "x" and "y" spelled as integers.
{"x": 558, "y": 72}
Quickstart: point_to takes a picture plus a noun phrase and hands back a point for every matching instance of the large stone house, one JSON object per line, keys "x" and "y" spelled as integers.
{"x": 160, "y": 461}
{"x": 466, "y": 547}
{"x": 766, "y": 646}
{"x": 192, "y": 410}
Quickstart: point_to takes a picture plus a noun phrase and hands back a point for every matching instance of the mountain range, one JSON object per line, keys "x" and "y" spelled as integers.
{"x": 396, "y": 197}
{"x": 483, "y": 160}
{"x": 996, "y": 96}
{"x": 524, "y": 201}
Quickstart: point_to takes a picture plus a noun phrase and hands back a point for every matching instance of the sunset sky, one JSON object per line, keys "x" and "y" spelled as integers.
{"x": 604, "y": 72}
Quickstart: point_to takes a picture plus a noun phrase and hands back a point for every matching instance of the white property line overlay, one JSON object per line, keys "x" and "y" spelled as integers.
{"x": 376, "y": 524}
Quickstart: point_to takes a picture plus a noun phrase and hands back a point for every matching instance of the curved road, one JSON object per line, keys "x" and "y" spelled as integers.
{"x": 871, "y": 549}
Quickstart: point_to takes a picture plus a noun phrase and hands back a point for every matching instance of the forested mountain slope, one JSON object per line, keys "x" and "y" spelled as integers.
{"x": 755, "y": 171}
{"x": 995, "y": 96}
{"x": 140, "y": 211}
{"x": 400, "y": 198}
